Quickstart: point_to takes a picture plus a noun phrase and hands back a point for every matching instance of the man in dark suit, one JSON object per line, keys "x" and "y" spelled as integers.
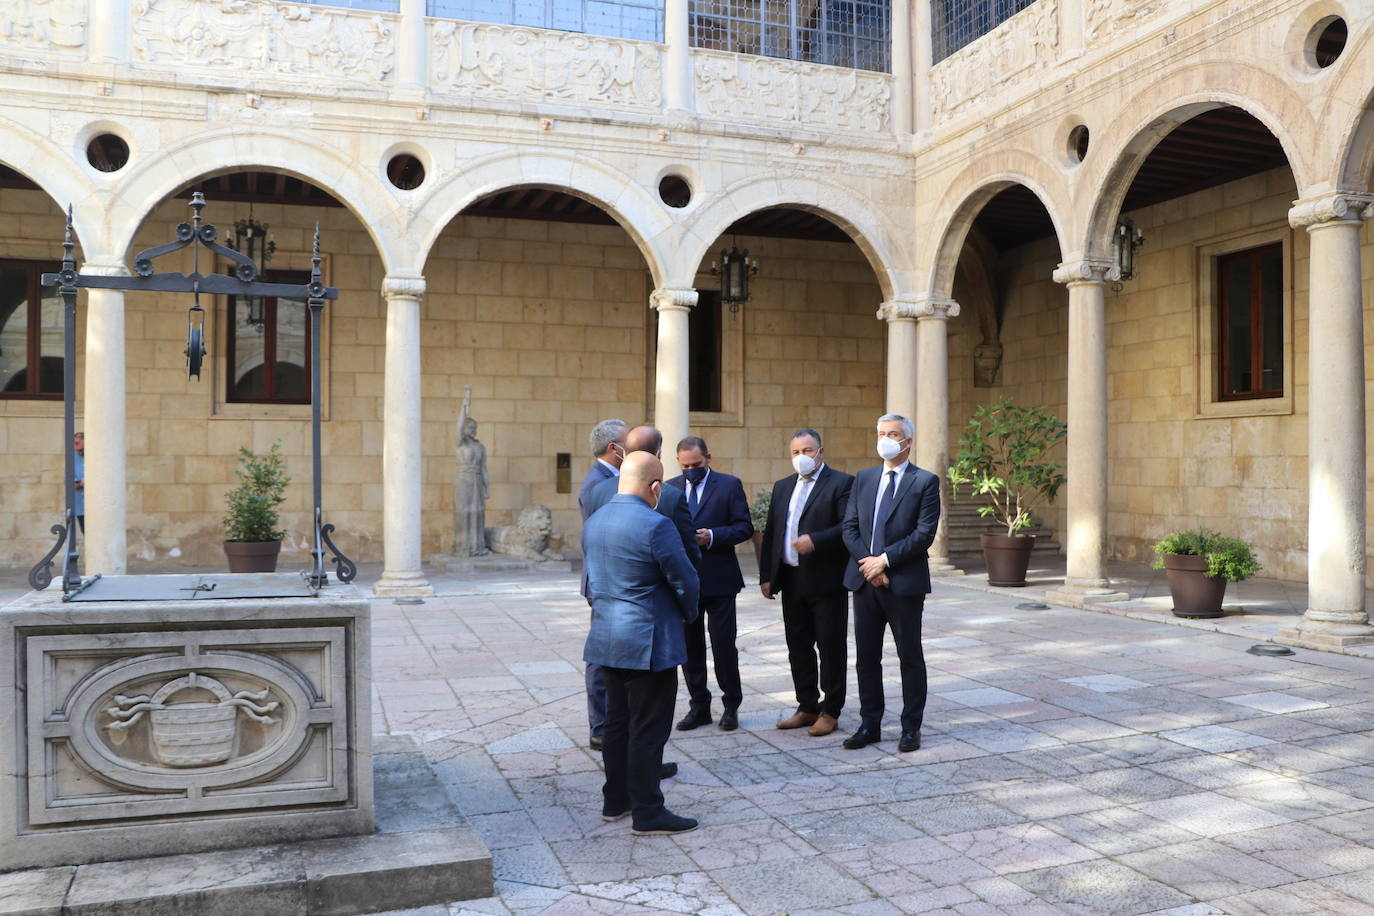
{"x": 888, "y": 527}
{"x": 642, "y": 587}
{"x": 803, "y": 559}
{"x": 608, "y": 448}
{"x": 720, "y": 513}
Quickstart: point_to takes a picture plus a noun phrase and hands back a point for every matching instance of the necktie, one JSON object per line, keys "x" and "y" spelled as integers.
{"x": 794, "y": 511}
{"x": 692, "y": 499}
{"x": 884, "y": 510}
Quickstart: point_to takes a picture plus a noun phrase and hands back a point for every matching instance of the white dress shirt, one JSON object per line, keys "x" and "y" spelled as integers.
{"x": 800, "y": 494}
{"x": 701, "y": 490}
{"x": 615, "y": 471}
{"x": 901, "y": 470}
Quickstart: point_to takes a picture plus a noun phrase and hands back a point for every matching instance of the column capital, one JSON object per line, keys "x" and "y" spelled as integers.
{"x": 402, "y": 287}
{"x": 1338, "y": 206}
{"x": 1085, "y": 270}
{"x": 666, "y": 299}
{"x": 940, "y": 309}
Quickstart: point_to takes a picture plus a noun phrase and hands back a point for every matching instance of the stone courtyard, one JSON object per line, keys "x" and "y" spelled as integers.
{"x": 1072, "y": 762}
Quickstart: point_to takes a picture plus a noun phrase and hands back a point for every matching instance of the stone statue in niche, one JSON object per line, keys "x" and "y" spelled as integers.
{"x": 528, "y": 538}
{"x": 471, "y": 487}
{"x": 987, "y": 364}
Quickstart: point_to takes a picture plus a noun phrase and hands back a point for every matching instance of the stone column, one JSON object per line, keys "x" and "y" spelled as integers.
{"x": 678, "y": 75}
{"x": 412, "y": 47}
{"x": 672, "y": 403}
{"x": 932, "y": 411}
{"x": 402, "y": 456}
{"x": 107, "y": 34}
{"x": 1336, "y": 614}
{"x": 107, "y": 514}
{"x": 903, "y": 91}
{"x": 901, "y": 315}
{"x": 1086, "y": 490}
{"x": 923, "y": 60}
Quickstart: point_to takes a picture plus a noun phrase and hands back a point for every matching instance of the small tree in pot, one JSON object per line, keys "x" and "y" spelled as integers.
{"x": 253, "y": 540}
{"x": 1004, "y": 458}
{"x": 758, "y": 514}
{"x": 1199, "y": 563}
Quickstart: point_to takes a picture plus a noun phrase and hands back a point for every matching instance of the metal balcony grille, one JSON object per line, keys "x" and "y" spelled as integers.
{"x": 844, "y": 33}
{"x": 637, "y": 19}
{"x": 955, "y": 23}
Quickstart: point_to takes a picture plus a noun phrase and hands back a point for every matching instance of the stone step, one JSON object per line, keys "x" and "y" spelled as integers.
{"x": 964, "y": 524}
{"x": 422, "y": 854}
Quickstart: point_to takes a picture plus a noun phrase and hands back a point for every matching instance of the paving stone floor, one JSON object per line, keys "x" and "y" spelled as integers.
{"x": 1072, "y": 761}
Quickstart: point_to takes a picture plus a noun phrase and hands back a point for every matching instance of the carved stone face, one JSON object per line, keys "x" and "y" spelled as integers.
{"x": 470, "y": 428}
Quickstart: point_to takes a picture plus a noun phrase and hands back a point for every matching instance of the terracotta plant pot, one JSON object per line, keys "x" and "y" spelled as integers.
{"x": 1008, "y": 557}
{"x": 252, "y": 556}
{"x": 1195, "y": 593}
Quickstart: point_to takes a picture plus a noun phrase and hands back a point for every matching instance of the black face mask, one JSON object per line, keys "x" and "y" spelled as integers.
{"x": 694, "y": 475}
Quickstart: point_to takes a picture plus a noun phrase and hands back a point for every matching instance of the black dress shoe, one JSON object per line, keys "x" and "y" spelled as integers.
{"x": 694, "y": 719}
{"x": 729, "y": 720}
{"x": 594, "y": 742}
{"x": 666, "y": 824}
{"x": 911, "y": 741}
{"x": 866, "y": 735}
{"x": 667, "y": 770}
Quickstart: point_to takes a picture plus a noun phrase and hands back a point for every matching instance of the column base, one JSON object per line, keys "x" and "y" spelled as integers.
{"x": 941, "y": 566}
{"x": 1327, "y": 635}
{"x": 403, "y": 585}
{"x": 1081, "y": 592}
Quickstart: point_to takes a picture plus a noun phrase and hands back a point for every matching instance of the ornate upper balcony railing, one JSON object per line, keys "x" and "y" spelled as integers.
{"x": 997, "y": 61}
{"x": 740, "y": 88}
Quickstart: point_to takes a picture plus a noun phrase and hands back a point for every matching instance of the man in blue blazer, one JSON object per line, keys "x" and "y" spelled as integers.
{"x": 643, "y": 588}
{"x": 720, "y": 513}
{"x": 671, "y": 503}
{"x": 888, "y": 527}
{"x": 607, "y": 441}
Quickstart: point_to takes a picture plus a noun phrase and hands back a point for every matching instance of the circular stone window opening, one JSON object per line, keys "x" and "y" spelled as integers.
{"x": 405, "y": 171}
{"x": 107, "y": 152}
{"x": 1078, "y": 143}
{"x": 1326, "y": 42}
{"x": 674, "y": 191}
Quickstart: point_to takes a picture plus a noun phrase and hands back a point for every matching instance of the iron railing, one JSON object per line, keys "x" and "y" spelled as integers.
{"x": 843, "y": 33}
{"x": 641, "y": 20}
{"x": 955, "y": 23}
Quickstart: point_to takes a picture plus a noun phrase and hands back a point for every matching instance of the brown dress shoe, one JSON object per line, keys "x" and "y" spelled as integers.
{"x": 798, "y": 719}
{"x": 825, "y": 724}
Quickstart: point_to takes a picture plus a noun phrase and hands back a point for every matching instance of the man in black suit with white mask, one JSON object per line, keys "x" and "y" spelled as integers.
{"x": 888, "y": 528}
{"x": 803, "y": 558}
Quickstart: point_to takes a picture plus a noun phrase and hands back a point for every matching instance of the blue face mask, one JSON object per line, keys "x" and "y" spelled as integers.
{"x": 694, "y": 475}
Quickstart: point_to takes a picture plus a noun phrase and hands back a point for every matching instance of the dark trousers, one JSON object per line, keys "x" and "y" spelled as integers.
{"x": 596, "y": 699}
{"x": 816, "y": 624}
{"x": 639, "y": 717}
{"x": 876, "y": 609}
{"x": 718, "y": 614}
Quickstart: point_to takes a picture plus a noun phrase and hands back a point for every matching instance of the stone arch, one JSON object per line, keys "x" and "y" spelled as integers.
{"x": 637, "y": 211}
{"x": 207, "y": 155}
{"x": 1350, "y": 103}
{"x": 970, "y": 192}
{"x": 61, "y": 178}
{"x": 855, "y": 214}
{"x": 1129, "y": 139}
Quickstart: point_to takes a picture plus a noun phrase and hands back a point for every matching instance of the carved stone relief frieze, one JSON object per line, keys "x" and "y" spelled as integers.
{"x": 1003, "y": 58}
{"x": 508, "y": 62}
{"x": 737, "y": 87}
{"x": 263, "y": 38}
{"x": 50, "y": 26}
{"x": 1108, "y": 16}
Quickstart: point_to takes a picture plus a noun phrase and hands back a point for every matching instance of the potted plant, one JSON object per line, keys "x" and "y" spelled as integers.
{"x": 758, "y": 514}
{"x": 252, "y": 538}
{"x": 1199, "y": 563}
{"x": 1004, "y": 457}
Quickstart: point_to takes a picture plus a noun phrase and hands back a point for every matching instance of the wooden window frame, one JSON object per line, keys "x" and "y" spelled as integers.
{"x": 1257, "y": 329}
{"x": 269, "y": 344}
{"x": 33, "y": 365}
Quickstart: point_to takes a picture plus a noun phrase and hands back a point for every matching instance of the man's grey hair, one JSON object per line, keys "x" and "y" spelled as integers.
{"x": 604, "y": 433}
{"x": 807, "y": 431}
{"x": 908, "y": 428}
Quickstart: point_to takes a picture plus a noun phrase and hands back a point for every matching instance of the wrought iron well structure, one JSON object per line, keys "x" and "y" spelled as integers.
{"x": 243, "y": 281}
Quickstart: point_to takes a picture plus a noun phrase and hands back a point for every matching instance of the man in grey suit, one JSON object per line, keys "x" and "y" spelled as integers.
{"x": 643, "y": 589}
{"x": 608, "y": 448}
{"x": 888, "y": 527}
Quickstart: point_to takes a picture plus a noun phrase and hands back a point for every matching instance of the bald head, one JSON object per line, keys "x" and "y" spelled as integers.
{"x": 644, "y": 439}
{"x": 642, "y": 476}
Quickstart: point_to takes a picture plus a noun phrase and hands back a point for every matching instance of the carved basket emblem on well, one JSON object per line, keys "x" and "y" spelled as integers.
{"x": 191, "y": 734}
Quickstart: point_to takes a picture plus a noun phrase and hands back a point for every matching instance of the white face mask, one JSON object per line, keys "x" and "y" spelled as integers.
{"x": 888, "y": 448}
{"x": 803, "y": 464}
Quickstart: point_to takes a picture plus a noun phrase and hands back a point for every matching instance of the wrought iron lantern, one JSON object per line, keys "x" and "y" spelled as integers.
{"x": 1125, "y": 240}
{"x": 251, "y": 238}
{"x": 734, "y": 270}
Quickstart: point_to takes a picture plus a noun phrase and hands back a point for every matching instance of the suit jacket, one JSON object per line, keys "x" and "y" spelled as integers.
{"x": 910, "y": 529}
{"x": 725, "y": 510}
{"x": 671, "y": 505}
{"x": 643, "y": 588}
{"x": 595, "y": 474}
{"x": 822, "y": 517}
